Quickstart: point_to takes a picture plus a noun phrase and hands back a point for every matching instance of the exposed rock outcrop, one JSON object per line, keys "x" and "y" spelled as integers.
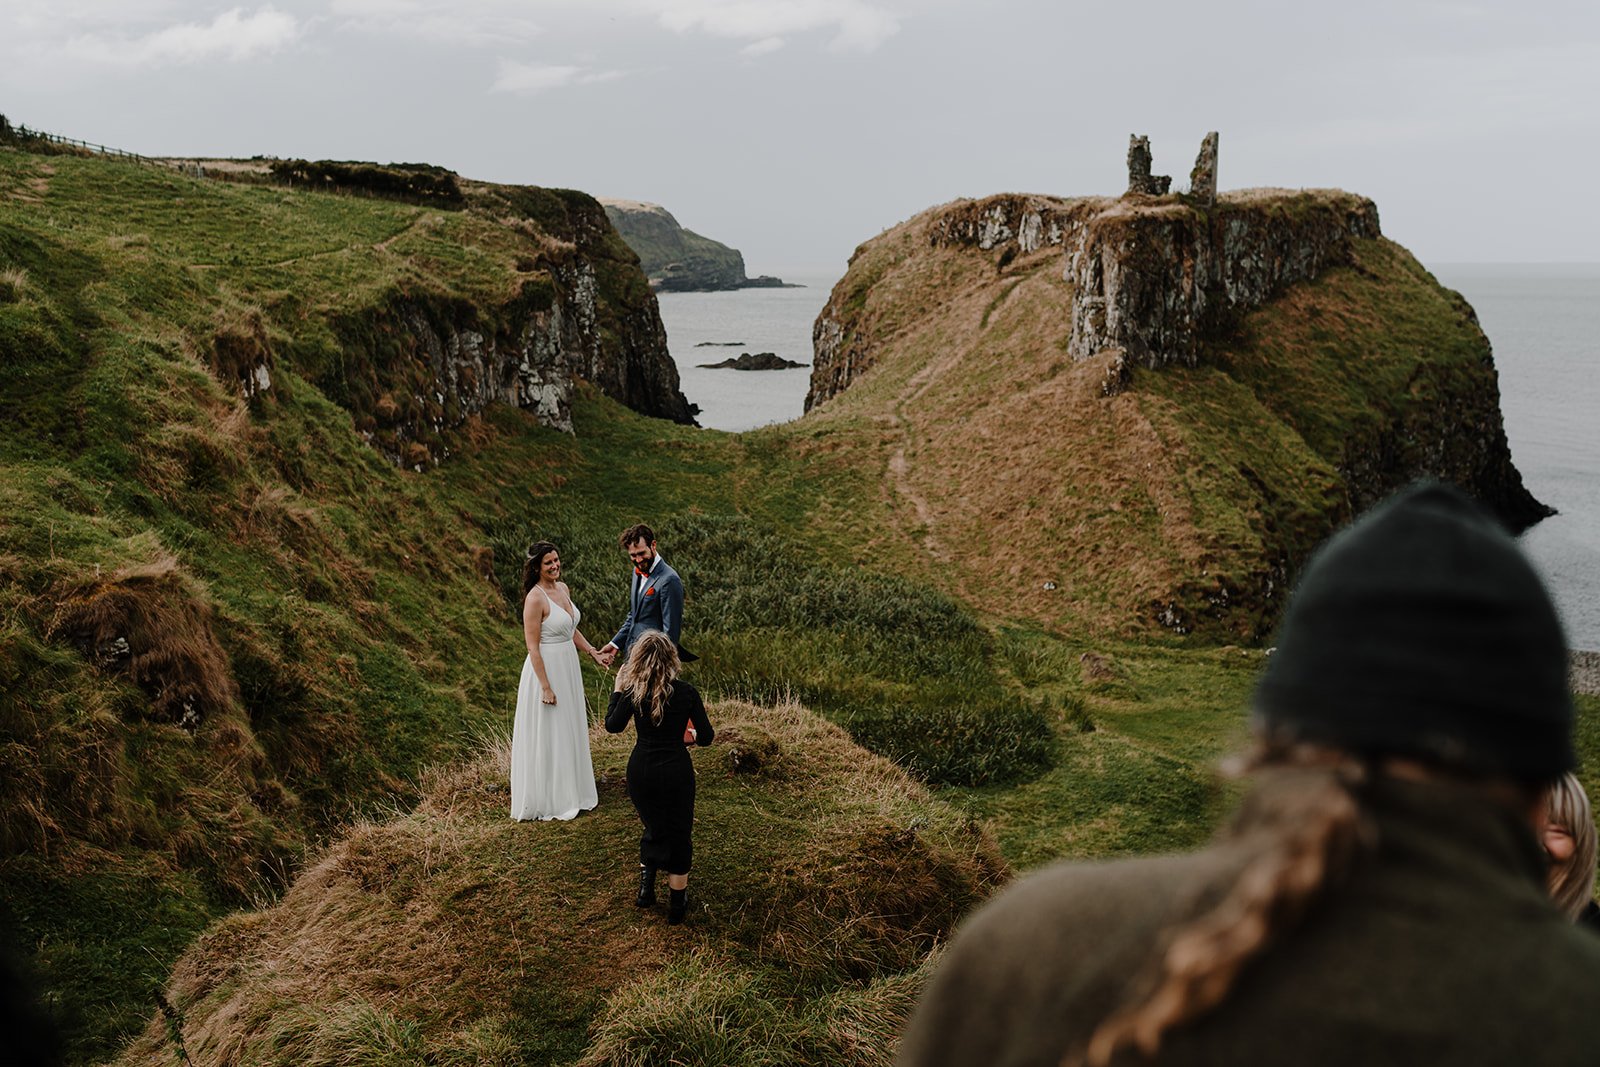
{"x": 1140, "y": 181}
{"x": 1155, "y": 279}
{"x": 1203, "y": 178}
{"x": 418, "y": 365}
{"x": 756, "y": 361}
{"x": 621, "y": 345}
{"x": 1152, "y": 279}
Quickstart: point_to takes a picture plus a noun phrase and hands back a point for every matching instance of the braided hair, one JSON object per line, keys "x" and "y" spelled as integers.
{"x": 1316, "y": 834}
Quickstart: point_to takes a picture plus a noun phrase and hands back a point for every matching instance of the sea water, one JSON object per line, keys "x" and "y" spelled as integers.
{"x": 712, "y": 327}
{"x": 1544, "y": 324}
{"x": 1543, "y": 321}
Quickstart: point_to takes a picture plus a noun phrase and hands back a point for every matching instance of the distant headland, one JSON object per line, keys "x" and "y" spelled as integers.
{"x": 677, "y": 260}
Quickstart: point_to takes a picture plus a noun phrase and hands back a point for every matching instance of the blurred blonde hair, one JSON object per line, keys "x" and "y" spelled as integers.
{"x": 648, "y": 675}
{"x": 1571, "y": 884}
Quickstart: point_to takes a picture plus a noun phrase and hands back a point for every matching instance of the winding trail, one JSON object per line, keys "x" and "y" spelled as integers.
{"x": 899, "y": 466}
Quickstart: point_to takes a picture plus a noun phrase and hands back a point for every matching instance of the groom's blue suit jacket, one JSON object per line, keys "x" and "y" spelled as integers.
{"x": 656, "y": 603}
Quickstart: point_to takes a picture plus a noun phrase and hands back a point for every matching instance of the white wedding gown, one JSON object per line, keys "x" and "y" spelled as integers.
{"x": 552, "y": 776}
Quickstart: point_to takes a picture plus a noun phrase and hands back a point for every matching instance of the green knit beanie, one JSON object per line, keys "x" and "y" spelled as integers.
{"x": 1421, "y": 630}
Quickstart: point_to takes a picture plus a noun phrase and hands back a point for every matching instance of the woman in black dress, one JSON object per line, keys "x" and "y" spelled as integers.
{"x": 668, "y": 714}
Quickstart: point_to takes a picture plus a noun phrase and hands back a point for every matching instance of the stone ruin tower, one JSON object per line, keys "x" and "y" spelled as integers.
{"x": 1202, "y": 179}
{"x": 1140, "y": 180}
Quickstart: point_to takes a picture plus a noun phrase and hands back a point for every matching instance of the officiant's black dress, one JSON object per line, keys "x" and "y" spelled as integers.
{"x": 661, "y": 775}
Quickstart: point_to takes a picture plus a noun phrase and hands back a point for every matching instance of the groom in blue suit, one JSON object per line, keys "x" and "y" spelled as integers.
{"x": 656, "y": 602}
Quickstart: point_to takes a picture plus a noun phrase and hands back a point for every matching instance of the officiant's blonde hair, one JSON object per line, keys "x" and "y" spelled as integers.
{"x": 648, "y": 675}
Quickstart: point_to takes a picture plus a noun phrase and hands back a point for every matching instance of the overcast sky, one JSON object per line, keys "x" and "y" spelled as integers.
{"x": 795, "y": 129}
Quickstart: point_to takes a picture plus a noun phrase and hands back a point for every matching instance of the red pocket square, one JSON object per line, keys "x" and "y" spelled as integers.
{"x": 651, "y": 591}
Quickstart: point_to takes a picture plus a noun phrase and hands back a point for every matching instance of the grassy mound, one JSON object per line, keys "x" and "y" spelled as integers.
{"x": 453, "y": 935}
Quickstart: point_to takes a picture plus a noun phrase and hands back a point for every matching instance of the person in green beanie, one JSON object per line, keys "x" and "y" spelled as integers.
{"x": 1379, "y": 898}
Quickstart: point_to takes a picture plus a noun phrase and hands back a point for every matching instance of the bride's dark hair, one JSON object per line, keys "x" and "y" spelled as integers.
{"x": 648, "y": 675}
{"x": 530, "y": 569}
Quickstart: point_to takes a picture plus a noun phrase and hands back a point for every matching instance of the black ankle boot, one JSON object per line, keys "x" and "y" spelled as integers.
{"x": 647, "y": 887}
{"x": 677, "y": 905}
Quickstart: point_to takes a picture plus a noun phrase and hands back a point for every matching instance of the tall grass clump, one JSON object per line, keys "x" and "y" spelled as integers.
{"x": 905, "y": 666}
{"x": 704, "y": 1009}
{"x": 960, "y": 740}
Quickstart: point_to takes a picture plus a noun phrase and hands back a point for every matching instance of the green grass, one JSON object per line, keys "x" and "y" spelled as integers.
{"x": 365, "y": 617}
{"x": 361, "y": 641}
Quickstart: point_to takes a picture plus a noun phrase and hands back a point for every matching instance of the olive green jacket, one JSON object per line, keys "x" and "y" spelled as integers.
{"x": 1440, "y": 948}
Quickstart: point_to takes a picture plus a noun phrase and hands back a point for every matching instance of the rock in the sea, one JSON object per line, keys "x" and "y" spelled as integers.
{"x": 759, "y": 361}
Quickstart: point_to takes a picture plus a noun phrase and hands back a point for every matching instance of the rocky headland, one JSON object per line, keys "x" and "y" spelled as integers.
{"x": 576, "y": 310}
{"x": 677, "y": 260}
{"x": 1202, "y": 390}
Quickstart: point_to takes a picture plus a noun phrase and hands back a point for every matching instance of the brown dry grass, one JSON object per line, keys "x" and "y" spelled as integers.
{"x": 1183, "y": 500}
{"x": 1010, "y": 461}
{"x": 150, "y": 622}
{"x": 443, "y": 920}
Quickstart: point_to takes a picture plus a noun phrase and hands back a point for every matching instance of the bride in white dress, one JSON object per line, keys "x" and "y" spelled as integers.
{"x": 552, "y": 776}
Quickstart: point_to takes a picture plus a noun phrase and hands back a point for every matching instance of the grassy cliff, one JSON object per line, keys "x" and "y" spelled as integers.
{"x": 255, "y": 677}
{"x": 1110, "y": 493}
{"x": 675, "y": 259}
{"x": 231, "y": 626}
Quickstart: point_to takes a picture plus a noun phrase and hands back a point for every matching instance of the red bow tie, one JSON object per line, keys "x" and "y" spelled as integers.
{"x": 640, "y": 573}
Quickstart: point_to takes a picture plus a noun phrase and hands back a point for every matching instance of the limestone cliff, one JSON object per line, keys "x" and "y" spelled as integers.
{"x": 620, "y": 344}
{"x": 1181, "y": 400}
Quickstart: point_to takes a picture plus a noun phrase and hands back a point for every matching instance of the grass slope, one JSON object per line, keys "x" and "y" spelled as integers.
{"x": 1187, "y": 498}
{"x": 306, "y": 630}
{"x": 453, "y": 935}
{"x": 227, "y": 629}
